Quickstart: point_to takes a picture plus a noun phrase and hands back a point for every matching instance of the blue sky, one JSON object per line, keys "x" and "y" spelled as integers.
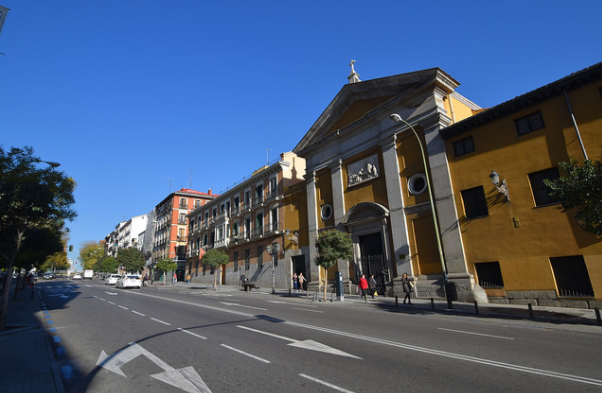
{"x": 137, "y": 99}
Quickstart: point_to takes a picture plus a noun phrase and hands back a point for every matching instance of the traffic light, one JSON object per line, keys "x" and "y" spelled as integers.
{"x": 71, "y": 248}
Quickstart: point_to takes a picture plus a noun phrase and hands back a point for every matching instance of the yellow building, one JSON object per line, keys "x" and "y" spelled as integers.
{"x": 365, "y": 175}
{"x": 516, "y": 242}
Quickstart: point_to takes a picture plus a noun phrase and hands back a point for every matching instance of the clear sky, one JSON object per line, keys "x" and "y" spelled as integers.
{"x": 137, "y": 99}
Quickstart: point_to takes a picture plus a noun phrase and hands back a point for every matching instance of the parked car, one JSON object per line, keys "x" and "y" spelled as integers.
{"x": 112, "y": 279}
{"x": 77, "y": 276}
{"x": 129, "y": 281}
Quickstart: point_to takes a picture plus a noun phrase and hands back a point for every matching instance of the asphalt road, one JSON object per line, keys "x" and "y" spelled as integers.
{"x": 157, "y": 340}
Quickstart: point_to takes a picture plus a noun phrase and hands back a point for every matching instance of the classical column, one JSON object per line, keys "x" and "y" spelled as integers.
{"x": 451, "y": 237}
{"x": 338, "y": 207}
{"x": 397, "y": 216}
{"x": 312, "y": 224}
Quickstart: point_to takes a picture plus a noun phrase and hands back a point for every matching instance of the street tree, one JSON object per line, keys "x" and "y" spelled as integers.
{"x": 580, "y": 188}
{"x": 215, "y": 258}
{"x": 56, "y": 261}
{"x": 33, "y": 195}
{"x": 106, "y": 264}
{"x": 166, "y": 265}
{"x": 332, "y": 245}
{"x": 130, "y": 259}
{"x": 90, "y": 253}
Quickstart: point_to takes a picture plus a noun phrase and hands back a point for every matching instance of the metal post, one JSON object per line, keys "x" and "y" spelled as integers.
{"x": 597, "y": 310}
{"x": 476, "y": 307}
{"x": 530, "y": 311}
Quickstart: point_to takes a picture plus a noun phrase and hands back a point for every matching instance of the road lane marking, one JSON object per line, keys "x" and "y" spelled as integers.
{"x": 340, "y": 389}
{"x": 110, "y": 302}
{"x": 305, "y": 344}
{"x": 125, "y": 308}
{"x": 304, "y": 309}
{"x": 192, "y": 334}
{"x": 160, "y": 321}
{"x": 139, "y": 313}
{"x": 245, "y": 353}
{"x": 242, "y": 305}
{"x": 477, "y": 334}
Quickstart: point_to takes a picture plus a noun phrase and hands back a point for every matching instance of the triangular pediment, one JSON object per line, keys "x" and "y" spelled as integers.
{"x": 356, "y": 101}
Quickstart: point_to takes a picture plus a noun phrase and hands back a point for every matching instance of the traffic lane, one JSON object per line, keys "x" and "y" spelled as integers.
{"x": 433, "y": 353}
{"x": 506, "y": 341}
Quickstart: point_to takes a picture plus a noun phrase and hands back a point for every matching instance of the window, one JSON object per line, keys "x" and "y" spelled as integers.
{"x": 247, "y": 259}
{"x": 274, "y": 219}
{"x": 326, "y": 212}
{"x": 235, "y": 261}
{"x": 464, "y": 146}
{"x": 475, "y": 204}
{"x": 182, "y": 218}
{"x": 541, "y": 192}
{"x": 571, "y": 276}
{"x": 417, "y": 183}
{"x": 529, "y": 123}
{"x": 260, "y": 257}
{"x": 489, "y": 274}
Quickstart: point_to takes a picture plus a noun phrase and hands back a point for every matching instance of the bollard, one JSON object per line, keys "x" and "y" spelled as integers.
{"x": 432, "y": 303}
{"x": 598, "y": 315}
{"x": 289, "y": 292}
{"x": 396, "y": 301}
{"x": 530, "y": 311}
{"x": 476, "y": 307}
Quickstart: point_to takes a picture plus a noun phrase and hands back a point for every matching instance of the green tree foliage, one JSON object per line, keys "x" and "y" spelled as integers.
{"x": 33, "y": 195}
{"x": 130, "y": 259}
{"x": 215, "y": 258}
{"x": 166, "y": 265}
{"x": 55, "y": 262}
{"x": 581, "y": 188}
{"x": 38, "y": 245}
{"x": 332, "y": 245}
{"x": 106, "y": 264}
{"x": 90, "y": 253}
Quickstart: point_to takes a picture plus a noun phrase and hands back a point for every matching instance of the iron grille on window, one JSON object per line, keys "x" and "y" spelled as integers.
{"x": 247, "y": 259}
{"x": 541, "y": 192}
{"x": 235, "y": 261}
{"x": 572, "y": 278}
{"x": 529, "y": 123}
{"x": 489, "y": 274}
{"x": 260, "y": 257}
{"x": 475, "y": 204}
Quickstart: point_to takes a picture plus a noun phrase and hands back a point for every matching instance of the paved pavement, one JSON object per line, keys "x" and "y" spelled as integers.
{"x": 28, "y": 363}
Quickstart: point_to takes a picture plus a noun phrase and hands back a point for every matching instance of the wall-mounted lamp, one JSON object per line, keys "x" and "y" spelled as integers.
{"x": 501, "y": 187}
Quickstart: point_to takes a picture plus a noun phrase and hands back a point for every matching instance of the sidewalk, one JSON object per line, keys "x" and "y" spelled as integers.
{"x": 27, "y": 362}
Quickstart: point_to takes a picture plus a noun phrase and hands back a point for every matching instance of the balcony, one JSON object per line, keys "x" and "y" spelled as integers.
{"x": 257, "y": 201}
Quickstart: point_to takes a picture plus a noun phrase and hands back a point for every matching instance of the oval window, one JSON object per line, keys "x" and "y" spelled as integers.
{"x": 417, "y": 183}
{"x": 326, "y": 212}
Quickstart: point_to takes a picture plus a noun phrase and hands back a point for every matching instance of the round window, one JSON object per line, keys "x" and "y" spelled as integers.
{"x": 417, "y": 183}
{"x": 326, "y": 212}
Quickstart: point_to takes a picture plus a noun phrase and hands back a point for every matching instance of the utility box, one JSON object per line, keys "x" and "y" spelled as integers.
{"x": 338, "y": 283}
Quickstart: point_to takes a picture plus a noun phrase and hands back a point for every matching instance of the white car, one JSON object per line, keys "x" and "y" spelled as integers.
{"x": 77, "y": 276}
{"x": 129, "y": 281}
{"x": 112, "y": 279}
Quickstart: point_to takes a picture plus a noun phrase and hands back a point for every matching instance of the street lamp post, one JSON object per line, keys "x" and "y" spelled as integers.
{"x": 397, "y": 119}
{"x": 273, "y": 250}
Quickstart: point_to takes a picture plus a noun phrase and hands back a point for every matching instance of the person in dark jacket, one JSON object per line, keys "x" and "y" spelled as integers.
{"x": 372, "y": 285}
{"x": 407, "y": 288}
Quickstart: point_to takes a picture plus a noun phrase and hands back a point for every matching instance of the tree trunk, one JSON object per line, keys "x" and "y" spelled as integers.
{"x": 5, "y": 289}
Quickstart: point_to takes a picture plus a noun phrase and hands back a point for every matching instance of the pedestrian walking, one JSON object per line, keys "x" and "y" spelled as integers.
{"x": 295, "y": 281}
{"x": 301, "y": 281}
{"x": 372, "y": 285}
{"x": 188, "y": 278}
{"x": 243, "y": 280}
{"x": 408, "y": 288}
{"x": 363, "y": 287}
{"x": 175, "y": 278}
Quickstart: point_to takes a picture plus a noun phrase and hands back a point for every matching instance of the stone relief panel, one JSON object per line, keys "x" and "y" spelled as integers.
{"x": 362, "y": 171}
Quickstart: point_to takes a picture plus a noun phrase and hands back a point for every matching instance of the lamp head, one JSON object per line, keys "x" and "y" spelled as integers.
{"x": 395, "y": 117}
{"x": 495, "y": 178}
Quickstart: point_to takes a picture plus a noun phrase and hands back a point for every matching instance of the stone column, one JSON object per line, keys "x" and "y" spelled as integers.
{"x": 400, "y": 246}
{"x": 338, "y": 207}
{"x": 312, "y": 225}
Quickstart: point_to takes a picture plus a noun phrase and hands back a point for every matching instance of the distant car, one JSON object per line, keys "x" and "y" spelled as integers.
{"x": 77, "y": 276}
{"x": 112, "y": 279}
{"x": 88, "y": 274}
{"x": 129, "y": 281}
{"x": 48, "y": 276}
